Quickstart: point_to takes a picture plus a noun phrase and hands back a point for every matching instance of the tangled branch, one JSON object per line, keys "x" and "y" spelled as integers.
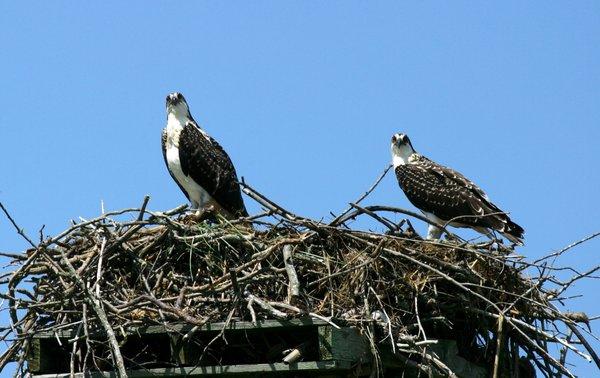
{"x": 106, "y": 275}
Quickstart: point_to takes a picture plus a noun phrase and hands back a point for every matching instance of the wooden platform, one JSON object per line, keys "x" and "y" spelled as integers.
{"x": 246, "y": 349}
{"x": 237, "y": 349}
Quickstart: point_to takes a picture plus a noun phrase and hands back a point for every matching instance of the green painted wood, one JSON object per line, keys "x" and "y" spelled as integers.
{"x": 180, "y": 352}
{"x": 318, "y": 368}
{"x": 400, "y": 366}
{"x": 185, "y": 328}
{"x": 44, "y": 355}
{"x": 343, "y": 344}
{"x": 447, "y": 351}
{"x": 34, "y": 358}
{"x": 339, "y": 350}
{"x": 177, "y": 349}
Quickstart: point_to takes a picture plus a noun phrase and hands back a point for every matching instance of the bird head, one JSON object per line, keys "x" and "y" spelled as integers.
{"x": 177, "y": 105}
{"x": 402, "y": 149}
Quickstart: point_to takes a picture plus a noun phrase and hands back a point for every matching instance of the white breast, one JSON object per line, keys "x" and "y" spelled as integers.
{"x": 198, "y": 196}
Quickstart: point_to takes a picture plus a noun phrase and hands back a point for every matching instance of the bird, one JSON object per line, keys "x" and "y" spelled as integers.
{"x": 198, "y": 164}
{"x": 446, "y": 197}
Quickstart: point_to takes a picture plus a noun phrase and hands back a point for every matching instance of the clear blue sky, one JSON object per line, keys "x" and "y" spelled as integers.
{"x": 305, "y": 97}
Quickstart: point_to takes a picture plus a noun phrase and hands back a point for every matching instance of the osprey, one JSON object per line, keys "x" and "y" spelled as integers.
{"x": 198, "y": 164}
{"x": 446, "y": 196}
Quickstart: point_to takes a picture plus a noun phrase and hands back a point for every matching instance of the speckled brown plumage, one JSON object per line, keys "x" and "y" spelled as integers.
{"x": 205, "y": 161}
{"x": 449, "y": 195}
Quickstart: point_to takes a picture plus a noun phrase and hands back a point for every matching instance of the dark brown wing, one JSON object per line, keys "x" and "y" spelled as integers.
{"x": 164, "y": 152}
{"x": 455, "y": 176}
{"x": 205, "y": 161}
{"x": 449, "y": 195}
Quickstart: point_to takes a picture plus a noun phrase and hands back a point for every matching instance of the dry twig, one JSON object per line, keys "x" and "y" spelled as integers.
{"x": 113, "y": 273}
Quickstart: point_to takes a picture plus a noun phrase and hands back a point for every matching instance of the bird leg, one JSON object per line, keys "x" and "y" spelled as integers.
{"x": 434, "y": 232}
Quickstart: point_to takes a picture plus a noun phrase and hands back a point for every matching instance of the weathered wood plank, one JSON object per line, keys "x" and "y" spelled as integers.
{"x": 447, "y": 351}
{"x": 185, "y": 328}
{"x": 343, "y": 344}
{"x": 274, "y": 369}
{"x": 34, "y": 358}
{"x": 44, "y": 355}
{"x": 188, "y": 352}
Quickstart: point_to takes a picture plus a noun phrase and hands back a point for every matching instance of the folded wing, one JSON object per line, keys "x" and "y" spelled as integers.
{"x": 205, "y": 161}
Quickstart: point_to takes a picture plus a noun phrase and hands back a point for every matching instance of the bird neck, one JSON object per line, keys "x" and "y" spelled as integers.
{"x": 403, "y": 155}
{"x": 398, "y": 160}
{"x": 177, "y": 119}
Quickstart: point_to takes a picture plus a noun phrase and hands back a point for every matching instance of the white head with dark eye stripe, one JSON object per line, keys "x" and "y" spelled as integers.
{"x": 177, "y": 107}
{"x": 402, "y": 149}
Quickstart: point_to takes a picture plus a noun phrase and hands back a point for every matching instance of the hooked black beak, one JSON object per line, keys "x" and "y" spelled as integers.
{"x": 174, "y": 98}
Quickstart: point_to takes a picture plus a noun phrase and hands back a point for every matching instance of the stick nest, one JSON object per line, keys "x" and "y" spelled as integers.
{"x": 402, "y": 292}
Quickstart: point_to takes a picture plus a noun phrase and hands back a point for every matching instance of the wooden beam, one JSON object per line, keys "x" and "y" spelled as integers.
{"x": 185, "y": 328}
{"x": 344, "y": 344}
{"x": 274, "y": 369}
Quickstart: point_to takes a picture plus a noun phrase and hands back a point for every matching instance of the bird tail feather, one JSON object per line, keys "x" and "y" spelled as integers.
{"x": 513, "y": 232}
